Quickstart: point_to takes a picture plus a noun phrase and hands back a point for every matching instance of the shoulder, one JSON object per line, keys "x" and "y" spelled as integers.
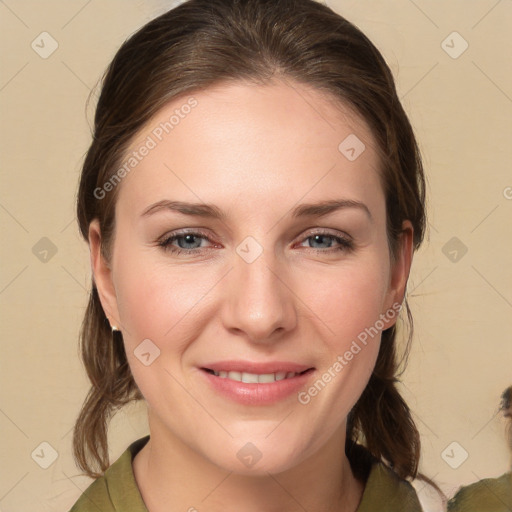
{"x": 487, "y": 495}
{"x": 116, "y": 489}
{"x": 384, "y": 490}
{"x": 95, "y": 497}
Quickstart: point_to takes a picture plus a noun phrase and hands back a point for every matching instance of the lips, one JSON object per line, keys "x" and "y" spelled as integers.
{"x": 256, "y": 373}
{"x": 252, "y": 383}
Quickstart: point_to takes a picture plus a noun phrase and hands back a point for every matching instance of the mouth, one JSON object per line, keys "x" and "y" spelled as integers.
{"x": 256, "y": 383}
{"x": 255, "y": 378}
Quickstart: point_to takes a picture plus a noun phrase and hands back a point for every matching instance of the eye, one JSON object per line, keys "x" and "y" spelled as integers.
{"x": 187, "y": 242}
{"x": 326, "y": 240}
{"x": 191, "y": 242}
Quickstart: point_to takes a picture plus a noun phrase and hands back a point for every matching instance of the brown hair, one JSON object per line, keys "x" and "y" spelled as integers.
{"x": 506, "y": 409}
{"x": 205, "y": 42}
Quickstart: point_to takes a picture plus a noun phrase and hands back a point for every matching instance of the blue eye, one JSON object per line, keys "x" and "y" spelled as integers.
{"x": 185, "y": 241}
{"x": 190, "y": 242}
{"x": 343, "y": 243}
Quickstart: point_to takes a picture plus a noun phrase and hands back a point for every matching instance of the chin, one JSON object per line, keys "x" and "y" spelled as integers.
{"x": 258, "y": 458}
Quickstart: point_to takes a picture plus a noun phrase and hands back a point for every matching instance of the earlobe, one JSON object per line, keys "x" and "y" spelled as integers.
{"x": 102, "y": 274}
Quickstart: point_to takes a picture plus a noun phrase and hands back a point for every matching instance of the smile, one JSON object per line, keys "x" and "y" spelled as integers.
{"x": 254, "y": 378}
{"x": 255, "y": 388}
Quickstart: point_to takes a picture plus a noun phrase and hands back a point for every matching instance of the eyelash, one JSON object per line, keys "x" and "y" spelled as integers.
{"x": 345, "y": 244}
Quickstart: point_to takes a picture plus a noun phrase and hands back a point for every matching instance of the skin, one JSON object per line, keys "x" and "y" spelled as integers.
{"x": 255, "y": 152}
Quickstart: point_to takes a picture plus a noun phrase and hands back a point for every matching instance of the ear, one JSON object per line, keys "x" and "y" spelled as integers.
{"x": 400, "y": 268}
{"x": 102, "y": 275}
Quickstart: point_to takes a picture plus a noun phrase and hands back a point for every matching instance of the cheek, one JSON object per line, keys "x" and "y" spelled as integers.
{"x": 348, "y": 305}
{"x": 161, "y": 305}
{"x": 348, "y": 300}
{"x": 153, "y": 301}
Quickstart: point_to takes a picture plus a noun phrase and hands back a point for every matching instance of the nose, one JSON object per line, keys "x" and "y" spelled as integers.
{"x": 259, "y": 302}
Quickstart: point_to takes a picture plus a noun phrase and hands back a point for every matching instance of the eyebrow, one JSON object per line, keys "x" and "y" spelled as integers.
{"x": 211, "y": 211}
{"x": 325, "y": 207}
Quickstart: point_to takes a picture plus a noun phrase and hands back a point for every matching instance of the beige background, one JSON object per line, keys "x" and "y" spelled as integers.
{"x": 461, "y": 109}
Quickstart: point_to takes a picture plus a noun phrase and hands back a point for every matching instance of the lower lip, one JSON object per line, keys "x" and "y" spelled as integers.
{"x": 257, "y": 394}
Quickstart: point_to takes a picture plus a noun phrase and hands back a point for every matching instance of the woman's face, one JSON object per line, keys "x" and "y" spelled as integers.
{"x": 260, "y": 276}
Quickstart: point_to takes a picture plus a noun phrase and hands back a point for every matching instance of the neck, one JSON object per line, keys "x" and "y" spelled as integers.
{"x": 172, "y": 476}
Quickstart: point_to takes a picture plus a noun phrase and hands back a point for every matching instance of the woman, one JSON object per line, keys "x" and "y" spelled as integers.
{"x": 252, "y": 199}
{"x": 489, "y": 494}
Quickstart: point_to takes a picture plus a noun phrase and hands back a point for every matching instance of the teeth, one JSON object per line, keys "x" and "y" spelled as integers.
{"x": 267, "y": 377}
{"x": 254, "y": 378}
{"x": 250, "y": 378}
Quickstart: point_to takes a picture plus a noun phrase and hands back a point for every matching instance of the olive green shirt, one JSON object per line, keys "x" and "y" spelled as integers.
{"x": 117, "y": 491}
{"x": 487, "y": 495}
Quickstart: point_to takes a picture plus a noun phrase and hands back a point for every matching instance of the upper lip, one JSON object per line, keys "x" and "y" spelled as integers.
{"x": 258, "y": 368}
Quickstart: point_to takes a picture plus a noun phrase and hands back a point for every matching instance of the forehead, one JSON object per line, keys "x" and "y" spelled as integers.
{"x": 248, "y": 141}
